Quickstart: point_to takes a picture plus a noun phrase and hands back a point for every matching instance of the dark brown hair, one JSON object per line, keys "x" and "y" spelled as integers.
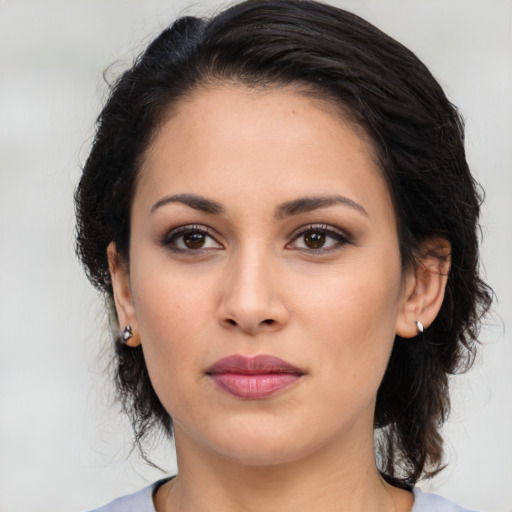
{"x": 419, "y": 139}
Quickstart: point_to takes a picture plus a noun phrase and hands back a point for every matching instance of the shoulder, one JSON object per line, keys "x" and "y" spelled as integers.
{"x": 140, "y": 501}
{"x": 427, "y": 502}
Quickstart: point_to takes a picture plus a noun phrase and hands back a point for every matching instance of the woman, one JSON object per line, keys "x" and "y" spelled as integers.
{"x": 278, "y": 202}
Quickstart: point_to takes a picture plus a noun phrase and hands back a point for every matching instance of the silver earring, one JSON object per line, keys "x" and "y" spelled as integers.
{"x": 127, "y": 333}
{"x": 419, "y": 326}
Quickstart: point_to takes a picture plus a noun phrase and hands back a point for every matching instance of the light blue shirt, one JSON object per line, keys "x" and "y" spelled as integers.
{"x": 142, "y": 501}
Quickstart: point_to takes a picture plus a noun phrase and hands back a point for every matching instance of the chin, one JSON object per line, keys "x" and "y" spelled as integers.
{"x": 264, "y": 447}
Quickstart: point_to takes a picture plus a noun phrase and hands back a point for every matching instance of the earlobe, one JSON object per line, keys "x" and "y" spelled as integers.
{"x": 122, "y": 297}
{"x": 424, "y": 288}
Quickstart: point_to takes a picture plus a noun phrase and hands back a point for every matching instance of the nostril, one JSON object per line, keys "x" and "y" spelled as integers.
{"x": 249, "y": 326}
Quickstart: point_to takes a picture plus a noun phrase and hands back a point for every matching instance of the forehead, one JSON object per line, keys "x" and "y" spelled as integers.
{"x": 225, "y": 138}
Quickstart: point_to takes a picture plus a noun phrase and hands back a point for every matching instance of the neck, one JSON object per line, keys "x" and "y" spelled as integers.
{"x": 323, "y": 481}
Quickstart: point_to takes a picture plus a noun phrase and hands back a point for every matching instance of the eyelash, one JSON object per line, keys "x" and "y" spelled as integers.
{"x": 170, "y": 238}
{"x": 341, "y": 237}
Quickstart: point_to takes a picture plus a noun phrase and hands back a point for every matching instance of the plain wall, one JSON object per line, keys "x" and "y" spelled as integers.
{"x": 63, "y": 445}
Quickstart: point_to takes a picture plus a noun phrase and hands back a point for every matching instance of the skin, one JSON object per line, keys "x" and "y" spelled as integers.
{"x": 255, "y": 285}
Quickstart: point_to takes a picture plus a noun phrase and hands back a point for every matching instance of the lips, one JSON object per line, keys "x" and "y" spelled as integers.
{"x": 253, "y": 377}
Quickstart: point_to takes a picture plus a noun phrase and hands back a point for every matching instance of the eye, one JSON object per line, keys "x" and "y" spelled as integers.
{"x": 189, "y": 239}
{"x": 318, "y": 238}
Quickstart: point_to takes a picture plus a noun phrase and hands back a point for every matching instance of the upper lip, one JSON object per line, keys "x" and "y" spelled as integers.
{"x": 254, "y": 365}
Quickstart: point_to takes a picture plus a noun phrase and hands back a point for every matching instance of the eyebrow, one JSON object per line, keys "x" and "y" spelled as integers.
{"x": 194, "y": 201}
{"x": 287, "y": 209}
{"x": 308, "y": 204}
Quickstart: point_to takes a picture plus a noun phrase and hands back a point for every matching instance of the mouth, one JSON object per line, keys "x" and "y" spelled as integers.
{"x": 255, "y": 377}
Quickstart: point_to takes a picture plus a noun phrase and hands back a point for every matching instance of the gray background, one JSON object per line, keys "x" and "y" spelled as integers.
{"x": 63, "y": 445}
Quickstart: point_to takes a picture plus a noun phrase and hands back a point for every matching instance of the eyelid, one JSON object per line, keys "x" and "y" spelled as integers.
{"x": 343, "y": 236}
{"x": 173, "y": 233}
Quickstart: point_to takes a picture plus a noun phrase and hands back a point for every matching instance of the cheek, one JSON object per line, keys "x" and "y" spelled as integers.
{"x": 165, "y": 296}
{"x": 352, "y": 319}
{"x": 172, "y": 317}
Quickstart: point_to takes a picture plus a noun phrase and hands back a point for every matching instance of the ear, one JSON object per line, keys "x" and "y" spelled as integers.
{"x": 122, "y": 294}
{"x": 424, "y": 287}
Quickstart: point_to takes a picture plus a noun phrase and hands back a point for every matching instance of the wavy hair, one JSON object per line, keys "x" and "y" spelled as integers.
{"x": 418, "y": 137}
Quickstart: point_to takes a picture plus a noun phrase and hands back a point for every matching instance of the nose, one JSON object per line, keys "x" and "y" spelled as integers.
{"x": 253, "y": 295}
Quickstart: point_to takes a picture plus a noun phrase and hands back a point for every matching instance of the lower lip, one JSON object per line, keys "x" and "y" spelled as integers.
{"x": 254, "y": 386}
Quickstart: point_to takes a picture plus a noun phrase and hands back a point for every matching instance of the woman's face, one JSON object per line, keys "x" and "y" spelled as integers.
{"x": 261, "y": 226}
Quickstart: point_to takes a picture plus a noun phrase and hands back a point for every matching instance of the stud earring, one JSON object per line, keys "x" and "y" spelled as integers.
{"x": 419, "y": 326}
{"x": 127, "y": 333}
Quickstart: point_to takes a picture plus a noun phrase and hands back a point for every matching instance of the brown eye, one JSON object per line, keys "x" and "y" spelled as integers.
{"x": 189, "y": 239}
{"x": 194, "y": 240}
{"x": 314, "y": 239}
{"x": 319, "y": 239}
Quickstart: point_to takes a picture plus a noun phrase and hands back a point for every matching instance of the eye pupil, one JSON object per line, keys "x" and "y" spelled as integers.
{"x": 314, "y": 239}
{"x": 194, "y": 240}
